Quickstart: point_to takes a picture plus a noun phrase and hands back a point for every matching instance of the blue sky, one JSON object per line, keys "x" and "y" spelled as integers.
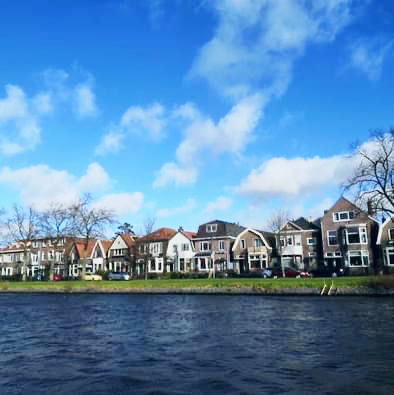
{"x": 187, "y": 111}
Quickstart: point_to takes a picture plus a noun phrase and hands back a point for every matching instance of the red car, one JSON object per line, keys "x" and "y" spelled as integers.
{"x": 290, "y": 272}
{"x": 57, "y": 277}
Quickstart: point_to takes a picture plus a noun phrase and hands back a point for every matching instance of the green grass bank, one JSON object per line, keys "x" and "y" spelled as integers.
{"x": 230, "y": 285}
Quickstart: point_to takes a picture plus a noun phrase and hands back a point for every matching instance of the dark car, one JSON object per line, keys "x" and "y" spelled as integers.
{"x": 39, "y": 276}
{"x": 265, "y": 272}
{"x": 118, "y": 276}
{"x": 290, "y": 272}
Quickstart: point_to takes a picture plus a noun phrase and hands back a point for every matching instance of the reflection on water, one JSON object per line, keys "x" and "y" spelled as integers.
{"x": 174, "y": 344}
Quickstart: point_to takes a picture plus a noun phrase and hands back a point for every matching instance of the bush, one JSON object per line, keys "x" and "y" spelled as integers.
{"x": 14, "y": 277}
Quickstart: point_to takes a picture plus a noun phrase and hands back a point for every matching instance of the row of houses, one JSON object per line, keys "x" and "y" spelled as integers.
{"x": 346, "y": 238}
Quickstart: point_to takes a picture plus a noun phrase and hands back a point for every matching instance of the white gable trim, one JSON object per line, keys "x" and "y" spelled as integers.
{"x": 292, "y": 223}
{"x": 381, "y": 228}
{"x": 253, "y": 231}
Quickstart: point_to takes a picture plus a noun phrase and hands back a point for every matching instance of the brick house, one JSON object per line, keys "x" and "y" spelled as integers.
{"x": 300, "y": 244}
{"x": 349, "y": 237}
{"x": 213, "y": 243}
{"x": 152, "y": 250}
{"x": 252, "y": 250}
{"x": 385, "y": 243}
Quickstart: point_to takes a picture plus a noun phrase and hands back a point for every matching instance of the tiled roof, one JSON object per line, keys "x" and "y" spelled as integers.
{"x": 127, "y": 238}
{"x": 106, "y": 245}
{"x": 305, "y": 224}
{"x": 85, "y": 251}
{"x": 160, "y": 234}
{"x": 189, "y": 235}
{"x": 223, "y": 229}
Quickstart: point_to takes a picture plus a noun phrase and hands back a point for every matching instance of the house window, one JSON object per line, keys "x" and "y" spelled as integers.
{"x": 297, "y": 240}
{"x": 289, "y": 241}
{"x": 153, "y": 266}
{"x": 312, "y": 254}
{"x": 202, "y": 263}
{"x": 282, "y": 242}
{"x": 353, "y": 236}
{"x": 358, "y": 258}
{"x": 221, "y": 245}
{"x": 332, "y": 237}
{"x": 343, "y": 216}
{"x": 390, "y": 256}
{"x": 35, "y": 244}
{"x": 257, "y": 243}
{"x": 391, "y": 234}
{"x": 185, "y": 247}
{"x": 243, "y": 244}
{"x": 311, "y": 241}
{"x": 211, "y": 228}
{"x": 205, "y": 246}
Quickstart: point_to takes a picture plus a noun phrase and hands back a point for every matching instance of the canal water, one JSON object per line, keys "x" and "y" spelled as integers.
{"x": 180, "y": 344}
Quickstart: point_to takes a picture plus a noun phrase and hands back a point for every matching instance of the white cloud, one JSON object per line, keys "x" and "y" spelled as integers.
{"x": 229, "y": 135}
{"x": 291, "y": 178}
{"x": 189, "y": 205}
{"x": 43, "y": 102}
{"x": 151, "y": 120}
{"x": 122, "y": 203}
{"x": 110, "y": 142}
{"x": 19, "y": 124}
{"x": 173, "y": 173}
{"x": 84, "y": 101}
{"x": 368, "y": 56}
{"x": 256, "y": 42}
{"x": 41, "y": 185}
{"x": 222, "y": 203}
{"x": 95, "y": 179}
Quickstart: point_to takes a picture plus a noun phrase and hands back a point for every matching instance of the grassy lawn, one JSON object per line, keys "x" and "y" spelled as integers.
{"x": 345, "y": 282}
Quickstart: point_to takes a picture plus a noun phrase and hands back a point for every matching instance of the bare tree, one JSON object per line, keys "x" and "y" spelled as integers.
{"x": 23, "y": 228}
{"x": 90, "y": 222}
{"x": 276, "y": 223}
{"x": 57, "y": 223}
{"x": 373, "y": 179}
{"x": 149, "y": 224}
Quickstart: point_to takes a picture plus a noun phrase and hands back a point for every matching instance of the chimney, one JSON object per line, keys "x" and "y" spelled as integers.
{"x": 180, "y": 229}
{"x": 371, "y": 210}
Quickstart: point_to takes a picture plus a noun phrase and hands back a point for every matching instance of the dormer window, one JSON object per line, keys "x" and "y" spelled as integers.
{"x": 211, "y": 228}
{"x": 343, "y": 216}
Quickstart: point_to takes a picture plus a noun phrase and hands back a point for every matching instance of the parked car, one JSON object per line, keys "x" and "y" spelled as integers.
{"x": 290, "y": 272}
{"x": 118, "y": 276}
{"x": 265, "y": 272}
{"x": 57, "y": 277}
{"x": 39, "y": 276}
{"x": 91, "y": 277}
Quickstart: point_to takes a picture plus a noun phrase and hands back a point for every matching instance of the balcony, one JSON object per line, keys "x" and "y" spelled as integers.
{"x": 257, "y": 250}
{"x": 292, "y": 250}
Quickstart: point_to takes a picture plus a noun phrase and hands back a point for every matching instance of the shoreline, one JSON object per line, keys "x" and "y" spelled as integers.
{"x": 359, "y": 291}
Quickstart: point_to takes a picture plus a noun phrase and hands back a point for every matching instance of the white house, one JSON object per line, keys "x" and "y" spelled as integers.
{"x": 181, "y": 251}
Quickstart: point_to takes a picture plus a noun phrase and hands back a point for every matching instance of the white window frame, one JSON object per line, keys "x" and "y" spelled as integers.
{"x": 363, "y": 254}
{"x": 204, "y": 244}
{"x": 339, "y": 216}
{"x": 243, "y": 244}
{"x": 211, "y": 228}
{"x": 362, "y": 231}
{"x": 328, "y": 237}
{"x": 388, "y": 231}
{"x": 389, "y": 251}
{"x": 309, "y": 241}
{"x": 257, "y": 243}
{"x": 221, "y": 245}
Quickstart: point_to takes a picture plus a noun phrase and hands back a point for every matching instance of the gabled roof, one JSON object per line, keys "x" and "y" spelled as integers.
{"x": 256, "y": 232}
{"x": 85, "y": 250}
{"x": 304, "y": 224}
{"x": 106, "y": 245}
{"x": 127, "y": 238}
{"x": 189, "y": 235}
{"x": 161, "y": 234}
{"x": 381, "y": 228}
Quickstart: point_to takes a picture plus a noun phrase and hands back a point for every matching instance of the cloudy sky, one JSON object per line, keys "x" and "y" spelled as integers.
{"x": 188, "y": 111}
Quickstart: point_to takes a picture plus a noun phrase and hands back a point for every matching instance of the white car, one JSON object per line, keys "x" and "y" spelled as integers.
{"x": 91, "y": 277}
{"x": 118, "y": 276}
